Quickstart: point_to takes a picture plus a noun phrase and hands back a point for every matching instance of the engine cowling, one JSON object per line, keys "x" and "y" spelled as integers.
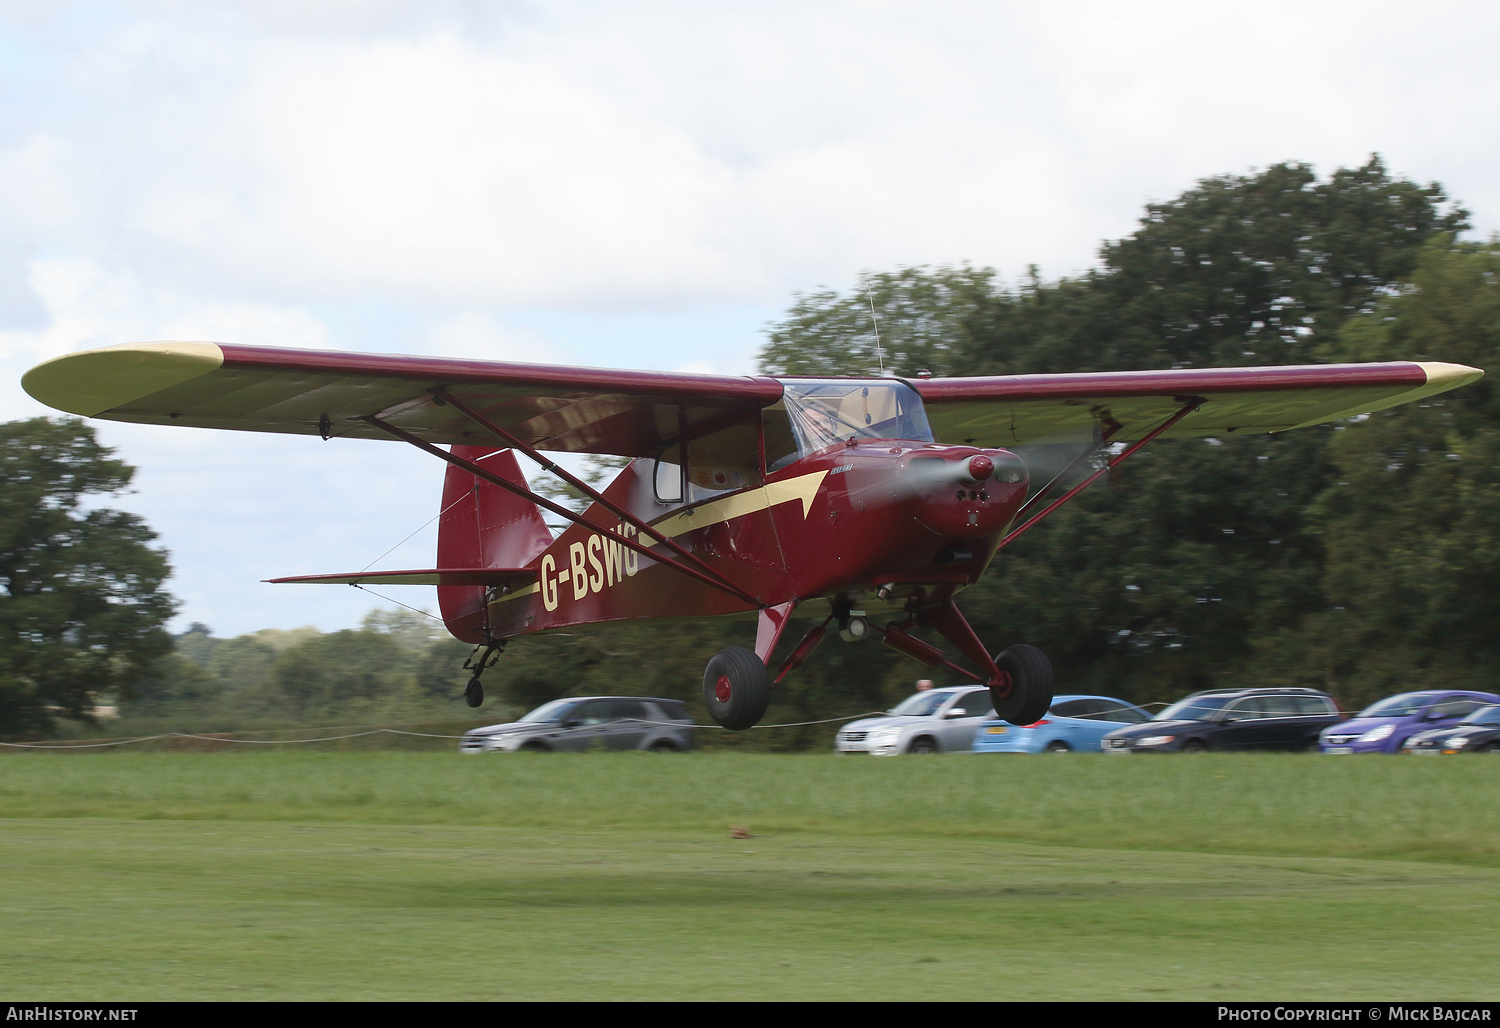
{"x": 963, "y": 492}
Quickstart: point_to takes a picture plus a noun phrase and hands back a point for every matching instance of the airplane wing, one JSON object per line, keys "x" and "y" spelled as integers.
{"x": 636, "y": 413}
{"x": 1016, "y": 410}
{"x": 310, "y": 392}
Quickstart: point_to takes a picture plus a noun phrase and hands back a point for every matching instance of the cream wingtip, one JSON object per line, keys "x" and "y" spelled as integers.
{"x": 91, "y": 382}
{"x": 1449, "y": 376}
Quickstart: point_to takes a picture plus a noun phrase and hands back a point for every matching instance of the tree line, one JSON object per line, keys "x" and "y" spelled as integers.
{"x": 1356, "y": 557}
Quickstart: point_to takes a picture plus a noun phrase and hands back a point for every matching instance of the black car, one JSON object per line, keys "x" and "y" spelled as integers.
{"x": 1477, "y": 733}
{"x": 1231, "y": 719}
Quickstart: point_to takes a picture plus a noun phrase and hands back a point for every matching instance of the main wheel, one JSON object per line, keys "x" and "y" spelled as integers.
{"x": 474, "y": 693}
{"x": 922, "y": 745}
{"x": 736, "y": 688}
{"x": 1058, "y": 746}
{"x": 1030, "y": 685}
{"x": 1195, "y": 746}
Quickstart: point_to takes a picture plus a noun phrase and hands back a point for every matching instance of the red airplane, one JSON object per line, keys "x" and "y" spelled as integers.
{"x": 865, "y": 503}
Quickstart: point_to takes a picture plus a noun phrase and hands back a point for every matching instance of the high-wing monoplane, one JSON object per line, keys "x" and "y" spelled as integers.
{"x": 868, "y": 504}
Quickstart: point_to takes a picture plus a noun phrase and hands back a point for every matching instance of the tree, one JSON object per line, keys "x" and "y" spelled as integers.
{"x": 81, "y": 598}
{"x": 1411, "y": 520}
{"x": 922, "y": 318}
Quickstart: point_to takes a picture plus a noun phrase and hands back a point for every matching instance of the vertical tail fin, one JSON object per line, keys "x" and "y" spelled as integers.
{"x": 483, "y": 526}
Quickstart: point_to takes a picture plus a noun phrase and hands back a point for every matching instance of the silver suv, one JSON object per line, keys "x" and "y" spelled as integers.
{"x": 932, "y": 721}
{"x": 589, "y": 723}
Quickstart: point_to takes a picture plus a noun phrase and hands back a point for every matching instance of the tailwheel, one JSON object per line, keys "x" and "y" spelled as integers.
{"x": 474, "y": 692}
{"x": 1030, "y": 692}
{"x": 736, "y": 688}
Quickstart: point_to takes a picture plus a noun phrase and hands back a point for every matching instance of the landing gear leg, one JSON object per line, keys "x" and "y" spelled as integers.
{"x": 1021, "y": 676}
{"x": 474, "y": 691}
{"x": 736, "y": 688}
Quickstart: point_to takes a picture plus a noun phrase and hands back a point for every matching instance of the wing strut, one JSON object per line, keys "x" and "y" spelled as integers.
{"x": 558, "y": 509}
{"x": 1088, "y": 451}
{"x": 1189, "y": 404}
{"x": 442, "y": 396}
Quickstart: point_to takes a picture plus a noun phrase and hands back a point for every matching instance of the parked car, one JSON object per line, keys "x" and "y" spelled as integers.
{"x": 932, "y": 721}
{"x": 1232, "y": 719}
{"x": 1385, "y": 726}
{"x": 1073, "y": 724}
{"x": 590, "y": 722}
{"x": 1477, "y": 733}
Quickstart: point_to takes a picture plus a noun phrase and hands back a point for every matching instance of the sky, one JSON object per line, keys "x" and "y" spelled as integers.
{"x": 611, "y": 184}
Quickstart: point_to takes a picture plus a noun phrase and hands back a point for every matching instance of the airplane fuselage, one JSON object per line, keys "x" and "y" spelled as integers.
{"x": 868, "y": 523}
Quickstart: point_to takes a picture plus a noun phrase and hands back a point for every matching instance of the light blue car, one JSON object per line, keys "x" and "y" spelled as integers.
{"x": 1073, "y": 724}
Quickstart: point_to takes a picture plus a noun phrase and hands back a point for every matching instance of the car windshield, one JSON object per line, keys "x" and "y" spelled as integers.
{"x": 1193, "y": 708}
{"x": 1404, "y": 705}
{"x": 1484, "y": 716}
{"x": 548, "y": 711}
{"x": 922, "y": 704}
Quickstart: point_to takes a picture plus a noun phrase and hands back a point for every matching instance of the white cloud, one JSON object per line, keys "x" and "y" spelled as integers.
{"x": 481, "y": 336}
{"x": 623, "y": 184}
{"x": 88, "y": 306}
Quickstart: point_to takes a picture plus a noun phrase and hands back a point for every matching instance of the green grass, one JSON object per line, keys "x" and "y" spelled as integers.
{"x": 433, "y": 876}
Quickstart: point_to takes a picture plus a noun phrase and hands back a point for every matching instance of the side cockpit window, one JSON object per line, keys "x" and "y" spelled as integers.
{"x": 781, "y": 443}
{"x": 725, "y": 461}
{"x": 667, "y": 478}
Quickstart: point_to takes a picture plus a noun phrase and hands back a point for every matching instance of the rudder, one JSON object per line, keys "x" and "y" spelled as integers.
{"x": 483, "y": 526}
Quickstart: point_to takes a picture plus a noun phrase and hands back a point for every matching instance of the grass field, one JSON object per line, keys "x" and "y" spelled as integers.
{"x": 433, "y": 876}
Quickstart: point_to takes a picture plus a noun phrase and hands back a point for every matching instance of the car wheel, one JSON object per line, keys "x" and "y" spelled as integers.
{"x": 736, "y": 688}
{"x": 1058, "y": 746}
{"x": 1195, "y": 746}
{"x": 1030, "y": 685}
{"x": 663, "y": 746}
{"x": 536, "y": 747}
{"x": 922, "y": 745}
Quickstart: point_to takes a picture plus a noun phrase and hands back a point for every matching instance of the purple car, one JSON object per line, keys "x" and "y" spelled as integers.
{"x": 1383, "y": 727}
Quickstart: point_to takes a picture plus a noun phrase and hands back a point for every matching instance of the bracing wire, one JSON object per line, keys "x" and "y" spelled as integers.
{"x": 423, "y": 528}
{"x": 408, "y": 606}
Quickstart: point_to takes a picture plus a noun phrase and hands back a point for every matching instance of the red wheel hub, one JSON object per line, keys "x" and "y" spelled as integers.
{"x": 722, "y": 689}
{"x": 1002, "y": 685}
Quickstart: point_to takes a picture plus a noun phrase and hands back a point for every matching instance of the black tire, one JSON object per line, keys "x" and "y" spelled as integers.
{"x": 663, "y": 746}
{"x": 736, "y": 688}
{"x": 1195, "y": 746}
{"x": 1058, "y": 746}
{"x": 473, "y": 693}
{"x": 922, "y": 744}
{"x": 1030, "y": 685}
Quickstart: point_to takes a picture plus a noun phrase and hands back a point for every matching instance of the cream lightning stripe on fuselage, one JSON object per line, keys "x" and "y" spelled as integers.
{"x": 751, "y": 501}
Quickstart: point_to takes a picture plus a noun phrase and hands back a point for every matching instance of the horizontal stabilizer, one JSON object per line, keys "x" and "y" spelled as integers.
{"x": 516, "y": 578}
